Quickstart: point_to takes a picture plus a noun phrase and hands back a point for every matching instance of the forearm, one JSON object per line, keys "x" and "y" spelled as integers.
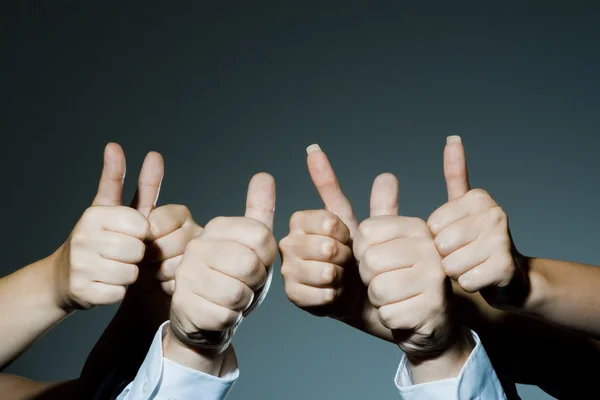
{"x": 28, "y": 307}
{"x": 15, "y": 387}
{"x": 564, "y": 294}
{"x": 528, "y": 350}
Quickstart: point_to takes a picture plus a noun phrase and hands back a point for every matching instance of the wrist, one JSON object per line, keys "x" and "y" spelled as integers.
{"x": 447, "y": 363}
{"x": 207, "y": 361}
{"x": 517, "y": 294}
{"x": 52, "y": 272}
{"x": 540, "y": 292}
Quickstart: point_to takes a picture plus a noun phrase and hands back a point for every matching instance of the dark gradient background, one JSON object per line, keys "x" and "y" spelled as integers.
{"x": 226, "y": 91}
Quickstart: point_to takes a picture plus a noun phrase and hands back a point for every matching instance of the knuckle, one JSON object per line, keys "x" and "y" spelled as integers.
{"x": 296, "y": 219}
{"x": 167, "y": 269}
{"x": 118, "y": 294}
{"x": 421, "y": 229}
{"x": 329, "y": 250}
{"x": 140, "y": 250}
{"x": 369, "y": 262}
{"x": 194, "y": 245}
{"x": 180, "y": 209}
{"x": 286, "y": 244}
{"x": 168, "y": 287}
{"x": 468, "y": 285}
{"x": 238, "y": 296}
{"x": 215, "y": 222}
{"x": 226, "y": 318}
{"x": 132, "y": 273}
{"x": 285, "y": 270}
{"x": 293, "y": 294}
{"x": 388, "y": 317}
{"x": 91, "y": 214}
{"x": 250, "y": 265}
{"x": 330, "y": 225}
{"x": 497, "y": 215}
{"x": 77, "y": 266}
{"x": 329, "y": 295}
{"x": 79, "y": 239}
{"x": 262, "y": 235}
{"x": 329, "y": 275}
{"x": 376, "y": 291}
{"x": 77, "y": 285}
{"x": 366, "y": 227}
{"x": 479, "y": 194}
{"x": 450, "y": 271}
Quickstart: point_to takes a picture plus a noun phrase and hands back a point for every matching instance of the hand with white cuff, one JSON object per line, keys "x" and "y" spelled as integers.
{"x": 401, "y": 268}
{"x": 224, "y": 274}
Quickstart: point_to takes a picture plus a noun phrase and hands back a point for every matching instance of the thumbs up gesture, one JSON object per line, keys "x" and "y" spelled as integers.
{"x": 99, "y": 259}
{"x": 472, "y": 235}
{"x": 401, "y": 267}
{"x": 225, "y": 272}
{"x": 318, "y": 265}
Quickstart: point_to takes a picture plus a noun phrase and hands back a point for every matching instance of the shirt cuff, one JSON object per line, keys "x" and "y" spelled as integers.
{"x": 161, "y": 378}
{"x": 476, "y": 380}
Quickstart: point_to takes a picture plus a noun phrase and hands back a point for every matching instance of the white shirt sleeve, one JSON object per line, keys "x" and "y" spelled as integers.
{"x": 161, "y": 379}
{"x": 477, "y": 380}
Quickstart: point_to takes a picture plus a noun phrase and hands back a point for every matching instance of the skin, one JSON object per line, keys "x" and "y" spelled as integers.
{"x": 177, "y": 243}
{"x": 91, "y": 268}
{"x": 383, "y": 276}
{"x": 169, "y": 245}
{"x": 517, "y": 344}
{"x": 221, "y": 273}
{"x": 146, "y": 306}
{"x": 472, "y": 234}
{"x": 402, "y": 270}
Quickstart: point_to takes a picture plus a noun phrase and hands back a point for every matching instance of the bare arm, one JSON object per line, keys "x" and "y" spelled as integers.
{"x": 531, "y": 351}
{"x": 15, "y": 387}
{"x": 29, "y": 306}
{"x": 564, "y": 294}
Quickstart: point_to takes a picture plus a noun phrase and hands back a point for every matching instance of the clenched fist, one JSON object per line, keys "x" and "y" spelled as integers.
{"x": 401, "y": 267}
{"x": 171, "y": 229}
{"x": 225, "y": 272}
{"x": 318, "y": 266}
{"x": 99, "y": 259}
{"x": 472, "y": 235}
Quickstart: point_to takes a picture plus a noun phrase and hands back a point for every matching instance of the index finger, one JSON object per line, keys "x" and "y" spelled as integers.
{"x": 327, "y": 185}
{"x": 149, "y": 182}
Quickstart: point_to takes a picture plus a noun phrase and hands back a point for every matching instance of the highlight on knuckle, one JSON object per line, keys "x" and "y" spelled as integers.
{"x": 388, "y": 318}
{"x": 329, "y": 250}
{"x": 366, "y": 227}
{"x": 237, "y": 296}
{"x": 479, "y": 194}
{"x": 250, "y": 265}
